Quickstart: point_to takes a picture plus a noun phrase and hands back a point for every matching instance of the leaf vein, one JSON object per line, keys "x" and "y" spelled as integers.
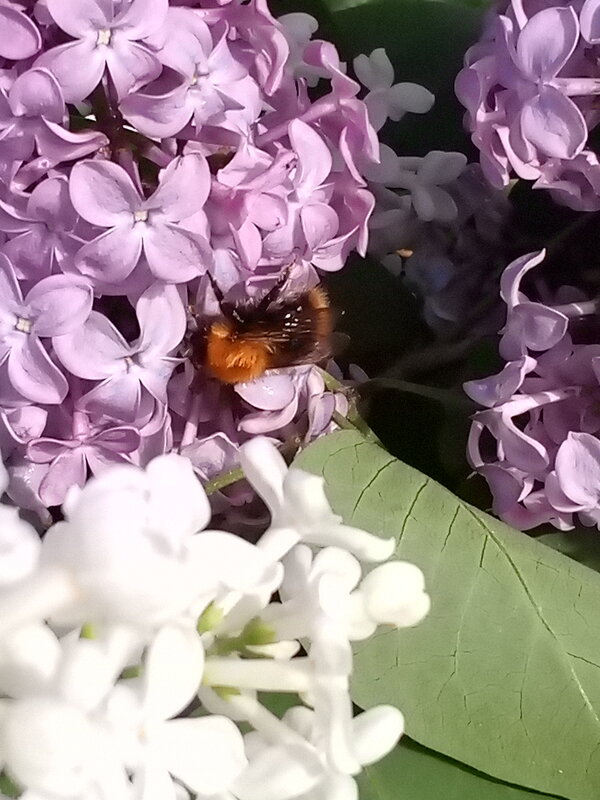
{"x": 537, "y": 610}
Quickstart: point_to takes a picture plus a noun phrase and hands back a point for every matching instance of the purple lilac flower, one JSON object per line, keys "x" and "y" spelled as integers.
{"x": 144, "y": 144}
{"x": 537, "y": 440}
{"x": 453, "y": 264}
{"x": 107, "y": 37}
{"x": 52, "y": 308}
{"x": 205, "y": 83}
{"x": 133, "y": 376}
{"x": 68, "y": 459}
{"x": 43, "y": 231}
{"x": 105, "y": 196}
{"x": 32, "y": 112}
{"x": 529, "y": 88}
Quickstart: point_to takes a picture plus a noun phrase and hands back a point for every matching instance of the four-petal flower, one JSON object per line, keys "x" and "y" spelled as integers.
{"x": 104, "y": 195}
{"x": 55, "y": 306}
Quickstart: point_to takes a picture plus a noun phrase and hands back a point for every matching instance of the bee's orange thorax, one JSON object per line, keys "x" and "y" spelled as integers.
{"x": 233, "y": 359}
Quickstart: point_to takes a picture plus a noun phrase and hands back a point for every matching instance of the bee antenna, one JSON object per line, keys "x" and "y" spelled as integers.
{"x": 216, "y": 289}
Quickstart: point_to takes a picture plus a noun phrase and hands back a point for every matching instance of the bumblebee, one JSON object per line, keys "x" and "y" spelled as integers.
{"x": 279, "y": 330}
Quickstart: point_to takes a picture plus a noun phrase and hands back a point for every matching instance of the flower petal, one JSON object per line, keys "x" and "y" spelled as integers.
{"x": 85, "y": 16}
{"x": 50, "y": 203}
{"x": 69, "y": 469}
{"x": 142, "y": 18}
{"x": 175, "y": 255}
{"x": 497, "y": 389}
{"x": 33, "y": 373}
{"x": 20, "y": 37}
{"x": 271, "y": 392}
{"x": 95, "y": 351}
{"x": 160, "y": 109}
{"x": 280, "y": 772}
{"x": 162, "y": 320}
{"x": 439, "y": 167}
{"x": 77, "y": 66}
{"x": 103, "y": 193}
{"x": 112, "y": 256}
{"x": 183, "y": 189}
{"x": 553, "y": 123}
{"x": 320, "y": 224}
{"x": 510, "y": 282}
{"x": 179, "y": 503}
{"x": 589, "y": 18}
{"x": 10, "y": 291}
{"x": 130, "y": 65}
{"x": 118, "y": 397}
{"x": 59, "y": 144}
{"x": 374, "y": 71}
{"x": 59, "y": 304}
{"x": 578, "y": 468}
{"x": 546, "y": 42}
{"x": 172, "y": 672}
{"x": 121, "y": 439}
{"x": 236, "y": 564}
{"x": 314, "y": 157}
{"x": 31, "y": 253}
{"x": 206, "y": 754}
{"x": 265, "y": 469}
{"x": 376, "y": 732}
{"x": 37, "y": 93}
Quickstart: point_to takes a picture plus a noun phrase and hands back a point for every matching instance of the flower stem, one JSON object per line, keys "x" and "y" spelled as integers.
{"x": 224, "y": 480}
{"x": 191, "y": 425}
{"x": 444, "y": 396}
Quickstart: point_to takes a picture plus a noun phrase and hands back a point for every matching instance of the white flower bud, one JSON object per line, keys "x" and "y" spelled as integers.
{"x": 394, "y": 594}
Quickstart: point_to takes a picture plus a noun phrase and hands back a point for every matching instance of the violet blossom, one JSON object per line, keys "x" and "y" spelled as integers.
{"x": 536, "y": 441}
{"x": 529, "y": 88}
{"x": 209, "y": 86}
{"x": 43, "y": 231}
{"x": 53, "y": 307}
{"x": 104, "y": 195}
{"x": 129, "y": 374}
{"x": 105, "y": 38}
{"x": 32, "y": 113}
{"x": 151, "y": 152}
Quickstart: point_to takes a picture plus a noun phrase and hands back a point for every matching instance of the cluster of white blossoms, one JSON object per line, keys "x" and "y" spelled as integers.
{"x": 134, "y": 643}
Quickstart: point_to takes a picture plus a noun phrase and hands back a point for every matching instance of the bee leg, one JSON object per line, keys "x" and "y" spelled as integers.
{"x": 273, "y": 293}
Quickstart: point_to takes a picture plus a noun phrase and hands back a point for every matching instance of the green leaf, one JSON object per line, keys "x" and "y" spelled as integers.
{"x": 582, "y": 544}
{"x": 412, "y": 772}
{"x": 504, "y": 673}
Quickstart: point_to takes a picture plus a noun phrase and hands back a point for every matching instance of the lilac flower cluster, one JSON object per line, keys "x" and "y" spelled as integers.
{"x": 537, "y": 440}
{"x": 436, "y": 219}
{"x": 150, "y": 150}
{"x": 120, "y": 630}
{"x": 530, "y": 89}
{"x": 452, "y": 263}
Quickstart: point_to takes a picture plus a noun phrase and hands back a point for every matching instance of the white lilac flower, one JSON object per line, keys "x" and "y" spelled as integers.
{"x": 162, "y": 634}
{"x": 299, "y": 509}
{"x": 385, "y": 98}
{"x": 423, "y": 178}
